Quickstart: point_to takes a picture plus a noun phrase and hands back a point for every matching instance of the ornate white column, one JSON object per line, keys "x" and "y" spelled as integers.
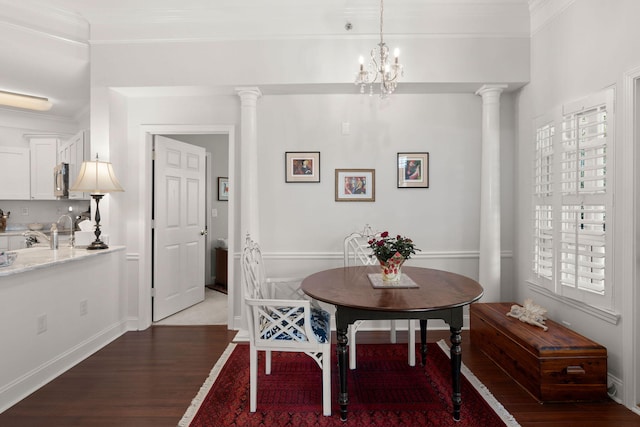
{"x": 249, "y": 209}
{"x": 489, "y": 271}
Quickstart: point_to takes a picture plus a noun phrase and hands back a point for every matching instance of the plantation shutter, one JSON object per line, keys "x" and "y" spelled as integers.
{"x": 543, "y": 210}
{"x": 584, "y": 202}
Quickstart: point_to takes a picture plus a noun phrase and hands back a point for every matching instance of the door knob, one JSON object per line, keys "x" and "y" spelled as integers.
{"x": 203, "y": 232}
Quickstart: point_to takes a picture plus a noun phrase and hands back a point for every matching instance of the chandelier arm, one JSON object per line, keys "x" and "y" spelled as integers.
{"x": 381, "y": 14}
{"x": 380, "y": 68}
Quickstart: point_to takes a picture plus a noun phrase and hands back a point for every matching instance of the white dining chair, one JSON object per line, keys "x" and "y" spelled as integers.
{"x": 294, "y": 325}
{"x": 358, "y": 252}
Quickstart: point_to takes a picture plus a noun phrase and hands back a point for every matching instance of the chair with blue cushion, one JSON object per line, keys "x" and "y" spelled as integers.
{"x": 358, "y": 252}
{"x": 282, "y": 325}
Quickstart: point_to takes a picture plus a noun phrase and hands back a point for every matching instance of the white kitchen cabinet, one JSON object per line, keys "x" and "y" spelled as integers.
{"x": 14, "y": 173}
{"x": 43, "y": 160}
{"x": 12, "y": 243}
{"x": 17, "y": 242}
{"x": 75, "y": 151}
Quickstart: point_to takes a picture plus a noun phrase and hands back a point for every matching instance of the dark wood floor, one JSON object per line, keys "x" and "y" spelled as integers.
{"x": 148, "y": 378}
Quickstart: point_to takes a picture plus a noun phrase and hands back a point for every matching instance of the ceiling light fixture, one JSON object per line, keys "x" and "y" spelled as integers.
{"x": 380, "y": 68}
{"x": 19, "y": 100}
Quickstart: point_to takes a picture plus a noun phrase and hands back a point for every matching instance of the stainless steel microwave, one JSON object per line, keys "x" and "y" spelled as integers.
{"x": 61, "y": 180}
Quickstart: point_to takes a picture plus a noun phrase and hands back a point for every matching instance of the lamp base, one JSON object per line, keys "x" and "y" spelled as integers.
{"x": 97, "y": 244}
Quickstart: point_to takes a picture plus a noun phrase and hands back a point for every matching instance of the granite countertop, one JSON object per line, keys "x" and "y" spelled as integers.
{"x": 43, "y": 257}
{"x": 14, "y": 232}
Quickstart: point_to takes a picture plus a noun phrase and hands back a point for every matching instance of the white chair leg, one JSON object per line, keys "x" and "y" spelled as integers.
{"x": 352, "y": 346}
{"x": 267, "y": 362}
{"x": 411, "y": 330}
{"x": 326, "y": 381}
{"x": 392, "y": 332}
{"x": 253, "y": 379}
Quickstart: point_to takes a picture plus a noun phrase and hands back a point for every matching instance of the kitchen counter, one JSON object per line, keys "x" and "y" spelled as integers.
{"x": 44, "y": 257}
{"x": 12, "y": 232}
{"x": 56, "y": 309}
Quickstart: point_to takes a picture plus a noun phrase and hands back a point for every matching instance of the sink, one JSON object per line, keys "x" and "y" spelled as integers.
{"x": 7, "y": 258}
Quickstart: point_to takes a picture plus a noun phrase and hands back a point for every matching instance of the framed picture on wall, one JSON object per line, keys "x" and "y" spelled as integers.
{"x": 355, "y": 185}
{"x": 302, "y": 166}
{"x": 413, "y": 170}
{"x": 223, "y": 188}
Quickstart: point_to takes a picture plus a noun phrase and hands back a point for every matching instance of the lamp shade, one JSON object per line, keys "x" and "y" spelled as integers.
{"x": 19, "y": 100}
{"x": 96, "y": 177}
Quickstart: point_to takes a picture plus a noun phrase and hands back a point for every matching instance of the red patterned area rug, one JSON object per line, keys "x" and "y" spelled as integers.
{"x": 383, "y": 391}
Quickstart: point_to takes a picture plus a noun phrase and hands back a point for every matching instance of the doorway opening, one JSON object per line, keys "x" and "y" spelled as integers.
{"x": 147, "y": 132}
{"x": 212, "y": 306}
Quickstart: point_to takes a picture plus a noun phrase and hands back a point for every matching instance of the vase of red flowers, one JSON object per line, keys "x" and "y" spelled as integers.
{"x": 392, "y": 252}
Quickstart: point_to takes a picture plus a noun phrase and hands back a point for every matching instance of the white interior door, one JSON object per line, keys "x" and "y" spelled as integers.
{"x": 179, "y": 231}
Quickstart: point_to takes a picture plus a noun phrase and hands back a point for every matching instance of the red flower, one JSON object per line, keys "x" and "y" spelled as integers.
{"x": 387, "y": 247}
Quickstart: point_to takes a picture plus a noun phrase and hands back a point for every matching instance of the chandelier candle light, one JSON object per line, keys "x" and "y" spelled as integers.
{"x": 98, "y": 179}
{"x": 381, "y": 68}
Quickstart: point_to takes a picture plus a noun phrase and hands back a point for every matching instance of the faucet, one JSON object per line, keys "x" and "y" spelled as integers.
{"x": 31, "y": 237}
{"x": 72, "y": 237}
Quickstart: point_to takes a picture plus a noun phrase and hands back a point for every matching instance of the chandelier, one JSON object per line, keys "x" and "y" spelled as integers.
{"x": 381, "y": 69}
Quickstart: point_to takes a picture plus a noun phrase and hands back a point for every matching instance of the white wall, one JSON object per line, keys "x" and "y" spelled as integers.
{"x": 442, "y": 218}
{"x": 303, "y": 219}
{"x": 585, "y": 49}
{"x": 193, "y": 88}
{"x": 29, "y": 359}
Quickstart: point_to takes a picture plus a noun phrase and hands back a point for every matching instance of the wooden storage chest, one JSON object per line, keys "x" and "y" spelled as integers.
{"x": 558, "y": 365}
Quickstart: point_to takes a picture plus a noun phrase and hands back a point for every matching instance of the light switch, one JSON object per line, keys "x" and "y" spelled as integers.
{"x": 346, "y": 128}
{"x": 214, "y": 213}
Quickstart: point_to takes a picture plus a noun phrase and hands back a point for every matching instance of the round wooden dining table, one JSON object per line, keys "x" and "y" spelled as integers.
{"x": 424, "y": 294}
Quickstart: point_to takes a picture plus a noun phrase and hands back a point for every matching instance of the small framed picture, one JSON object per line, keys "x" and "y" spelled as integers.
{"x": 223, "y": 188}
{"x": 413, "y": 170}
{"x": 355, "y": 185}
{"x": 302, "y": 166}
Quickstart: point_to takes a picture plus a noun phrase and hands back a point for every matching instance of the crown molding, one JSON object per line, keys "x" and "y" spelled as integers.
{"x": 45, "y": 21}
{"x": 544, "y": 11}
{"x": 119, "y": 21}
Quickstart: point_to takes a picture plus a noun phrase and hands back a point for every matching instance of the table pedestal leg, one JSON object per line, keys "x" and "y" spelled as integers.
{"x": 456, "y": 362}
{"x": 423, "y": 341}
{"x": 343, "y": 360}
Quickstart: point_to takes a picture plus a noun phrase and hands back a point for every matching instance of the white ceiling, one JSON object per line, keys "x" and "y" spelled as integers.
{"x": 45, "y": 44}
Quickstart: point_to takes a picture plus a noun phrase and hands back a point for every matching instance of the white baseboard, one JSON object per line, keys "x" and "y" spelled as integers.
{"x": 23, "y": 386}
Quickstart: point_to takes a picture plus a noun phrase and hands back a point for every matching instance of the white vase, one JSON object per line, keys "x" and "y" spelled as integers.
{"x": 392, "y": 268}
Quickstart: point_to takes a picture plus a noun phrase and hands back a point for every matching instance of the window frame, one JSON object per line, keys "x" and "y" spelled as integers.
{"x": 592, "y": 172}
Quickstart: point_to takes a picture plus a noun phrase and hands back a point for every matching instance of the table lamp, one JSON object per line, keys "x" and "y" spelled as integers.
{"x": 97, "y": 178}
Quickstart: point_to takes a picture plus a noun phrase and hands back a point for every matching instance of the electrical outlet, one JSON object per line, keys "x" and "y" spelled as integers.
{"x": 84, "y": 307}
{"x": 25, "y": 211}
{"x": 42, "y": 324}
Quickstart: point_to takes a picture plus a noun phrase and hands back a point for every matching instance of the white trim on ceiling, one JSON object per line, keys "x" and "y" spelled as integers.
{"x": 544, "y": 11}
{"x": 45, "y": 21}
{"x": 139, "y": 20}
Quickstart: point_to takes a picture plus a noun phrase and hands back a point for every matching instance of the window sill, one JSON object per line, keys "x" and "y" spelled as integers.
{"x": 601, "y": 313}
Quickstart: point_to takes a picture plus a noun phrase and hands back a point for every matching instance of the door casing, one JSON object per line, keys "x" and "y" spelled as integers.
{"x": 144, "y": 210}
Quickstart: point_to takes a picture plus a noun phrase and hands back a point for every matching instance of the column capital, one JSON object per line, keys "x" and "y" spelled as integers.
{"x": 495, "y": 89}
{"x": 247, "y": 93}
